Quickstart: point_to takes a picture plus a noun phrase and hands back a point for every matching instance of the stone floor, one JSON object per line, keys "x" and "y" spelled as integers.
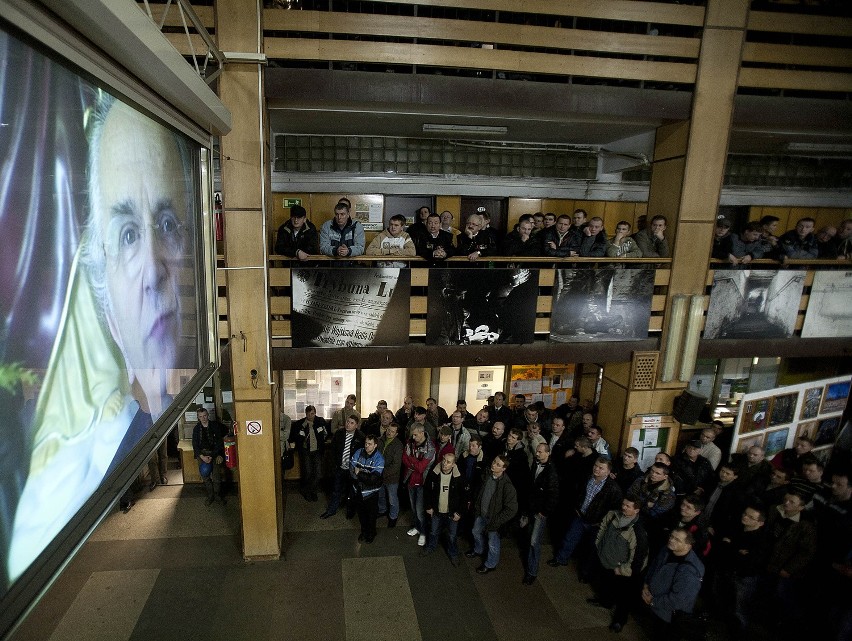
{"x": 172, "y": 568}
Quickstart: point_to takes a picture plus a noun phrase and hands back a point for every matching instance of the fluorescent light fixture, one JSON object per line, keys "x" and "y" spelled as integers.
{"x": 815, "y": 147}
{"x": 693, "y": 333}
{"x": 463, "y": 129}
{"x": 677, "y": 315}
{"x": 239, "y": 56}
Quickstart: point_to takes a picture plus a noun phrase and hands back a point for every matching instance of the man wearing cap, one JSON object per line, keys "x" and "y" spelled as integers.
{"x": 723, "y": 241}
{"x": 297, "y": 238}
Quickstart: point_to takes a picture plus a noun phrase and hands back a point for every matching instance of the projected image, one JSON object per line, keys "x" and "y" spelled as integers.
{"x": 98, "y": 291}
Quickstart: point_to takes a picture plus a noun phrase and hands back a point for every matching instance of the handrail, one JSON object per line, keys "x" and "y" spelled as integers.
{"x": 716, "y": 263}
{"x": 464, "y": 259}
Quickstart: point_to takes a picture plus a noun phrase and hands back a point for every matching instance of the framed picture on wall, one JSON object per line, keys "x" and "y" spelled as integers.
{"x": 755, "y": 415}
{"x": 827, "y": 431}
{"x": 835, "y": 397}
{"x": 749, "y": 442}
{"x": 776, "y": 441}
{"x": 810, "y": 402}
{"x": 807, "y": 429}
{"x": 783, "y": 408}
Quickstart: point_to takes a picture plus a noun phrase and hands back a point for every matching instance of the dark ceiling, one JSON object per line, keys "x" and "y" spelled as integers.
{"x": 325, "y": 102}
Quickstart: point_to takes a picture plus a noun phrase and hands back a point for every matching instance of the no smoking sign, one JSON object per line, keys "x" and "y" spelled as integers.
{"x": 254, "y": 428}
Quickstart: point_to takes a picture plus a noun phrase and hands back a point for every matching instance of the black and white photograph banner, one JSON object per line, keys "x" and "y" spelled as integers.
{"x": 829, "y": 312}
{"x": 481, "y": 306}
{"x": 350, "y": 307}
{"x": 754, "y": 304}
{"x": 601, "y": 304}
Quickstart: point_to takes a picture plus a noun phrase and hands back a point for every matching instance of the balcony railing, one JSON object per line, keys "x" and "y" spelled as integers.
{"x": 281, "y": 287}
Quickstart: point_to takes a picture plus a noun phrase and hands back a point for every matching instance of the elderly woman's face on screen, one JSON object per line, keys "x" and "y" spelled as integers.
{"x": 142, "y": 210}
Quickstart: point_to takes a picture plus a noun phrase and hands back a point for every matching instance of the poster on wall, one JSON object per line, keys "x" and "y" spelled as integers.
{"x": 810, "y": 403}
{"x": 776, "y": 441}
{"x": 750, "y": 441}
{"x": 481, "y": 306}
{"x": 753, "y": 304}
{"x": 352, "y": 307}
{"x": 829, "y": 313}
{"x": 783, "y": 408}
{"x": 601, "y": 304}
{"x": 835, "y": 397}
{"x": 754, "y": 416}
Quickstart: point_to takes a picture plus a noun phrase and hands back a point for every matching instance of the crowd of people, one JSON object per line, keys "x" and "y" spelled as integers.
{"x": 759, "y": 543}
{"x": 434, "y": 238}
{"x": 759, "y": 240}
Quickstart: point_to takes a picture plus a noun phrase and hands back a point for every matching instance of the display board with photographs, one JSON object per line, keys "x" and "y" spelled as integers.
{"x": 481, "y": 306}
{"x": 606, "y": 304}
{"x": 774, "y": 419}
{"x": 753, "y": 304}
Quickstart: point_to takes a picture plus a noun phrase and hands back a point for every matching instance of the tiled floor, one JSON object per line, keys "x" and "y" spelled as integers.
{"x": 172, "y": 569}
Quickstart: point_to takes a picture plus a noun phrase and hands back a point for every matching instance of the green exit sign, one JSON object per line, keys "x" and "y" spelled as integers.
{"x": 292, "y": 202}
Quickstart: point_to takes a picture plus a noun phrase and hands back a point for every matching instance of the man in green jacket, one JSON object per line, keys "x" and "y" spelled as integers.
{"x": 496, "y": 504}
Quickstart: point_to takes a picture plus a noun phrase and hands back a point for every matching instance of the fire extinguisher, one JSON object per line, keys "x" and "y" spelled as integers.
{"x": 231, "y": 449}
{"x": 217, "y": 211}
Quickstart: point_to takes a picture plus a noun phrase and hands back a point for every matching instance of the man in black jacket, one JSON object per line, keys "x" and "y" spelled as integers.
{"x": 600, "y": 495}
{"x": 542, "y": 502}
{"x": 434, "y": 244}
{"x": 209, "y": 448}
{"x": 344, "y": 444}
{"x": 308, "y": 436}
{"x": 297, "y": 238}
{"x": 693, "y": 471}
{"x": 443, "y": 498}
